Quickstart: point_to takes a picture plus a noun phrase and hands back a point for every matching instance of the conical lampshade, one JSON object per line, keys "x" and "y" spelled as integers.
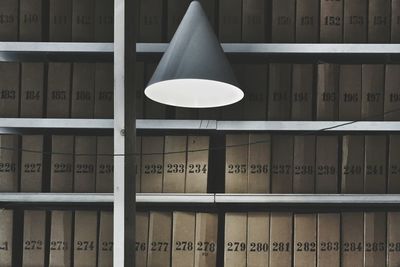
{"x": 194, "y": 71}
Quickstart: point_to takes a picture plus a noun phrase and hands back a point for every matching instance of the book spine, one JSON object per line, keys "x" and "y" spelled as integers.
{"x": 283, "y": 21}
{"x": 175, "y": 12}
{"x": 9, "y": 162}
{"x": 59, "y": 90}
{"x": 304, "y": 164}
{"x": 255, "y": 83}
{"x": 105, "y": 253}
{"x": 152, "y": 164}
{"x": 281, "y": 239}
{"x": 34, "y": 238}
{"x": 374, "y": 239}
{"x": 327, "y": 92}
{"x": 235, "y": 239}
{"x": 282, "y": 164}
{"x": 32, "y": 89}
{"x": 355, "y": 21}
{"x": 175, "y": 148}
{"x": 60, "y": 238}
{"x": 85, "y": 238}
{"x": 104, "y": 21}
{"x": 206, "y": 240}
{"x": 302, "y": 92}
{"x": 159, "y": 251}
{"x": 9, "y": 23}
{"x": 373, "y": 83}
{"x": 379, "y": 21}
{"x": 331, "y": 21}
{"x": 258, "y": 238}
{"x": 104, "y": 164}
{"x": 10, "y": 90}
{"x": 307, "y": 21}
{"x": 183, "y": 238}
{"x": 259, "y": 163}
{"x": 62, "y": 164}
{"x": 326, "y": 165}
{"x": 197, "y": 164}
{"x": 352, "y": 164}
{"x": 328, "y": 229}
{"x": 83, "y": 20}
{"x": 150, "y": 21}
{"x": 104, "y": 91}
{"x": 32, "y": 163}
{"x": 279, "y": 98}
{"x": 392, "y": 93}
{"x": 142, "y": 238}
{"x": 395, "y": 22}
{"x": 253, "y": 21}
{"x": 352, "y": 239}
{"x": 305, "y": 240}
{"x": 393, "y": 239}
{"x": 394, "y": 165}
{"x": 85, "y": 164}
{"x": 6, "y": 237}
{"x": 60, "y": 17}
{"x": 230, "y": 21}
{"x": 30, "y": 20}
{"x": 350, "y": 92}
{"x": 82, "y": 99}
{"x": 236, "y": 159}
{"x": 375, "y": 172}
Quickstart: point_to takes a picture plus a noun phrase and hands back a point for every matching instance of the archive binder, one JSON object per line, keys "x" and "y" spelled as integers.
{"x": 352, "y": 164}
{"x": 355, "y": 21}
{"x": 230, "y": 21}
{"x": 150, "y": 21}
{"x": 352, "y": 239}
{"x": 258, "y": 239}
{"x": 279, "y": 95}
{"x": 374, "y": 239}
{"x": 30, "y": 20}
{"x": 60, "y": 238}
{"x": 104, "y": 91}
{"x": 9, "y": 30}
{"x": 327, "y": 91}
{"x": 82, "y": 98}
{"x": 378, "y": 21}
{"x": 105, "y": 253}
{"x": 105, "y": 164}
{"x": 394, "y": 165}
{"x": 350, "y": 92}
{"x": 197, "y": 164}
{"x": 9, "y": 161}
{"x": 281, "y": 239}
{"x": 392, "y": 93}
{"x": 32, "y": 163}
{"x": 307, "y": 21}
{"x": 283, "y": 21}
{"x": 62, "y": 166}
{"x": 159, "y": 251}
{"x": 282, "y": 164}
{"x": 85, "y": 238}
{"x": 255, "y": 84}
{"x": 254, "y": 21}
{"x": 59, "y": 90}
{"x": 393, "y": 239}
{"x": 142, "y": 235}
{"x": 331, "y": 21}
{"x": 60, "y": 20}
{"x": 10, "y": 90}
{"x": 328, "y": 232}
{"x": 259, "y": 163}
{"x": 85, "y": 164}
{"x": 206, "y": 240}
{"x": 32, "y": 90}
{"x": 174, "y": 164}
{"x": 372, "y": 92}
{"x": 375, "y": 164}
{"x": 152, "y": 164}
{"x": 326, "y": 165}
{"x": 304, "y": 164}
{"x": 34, "y": 238}
{"x": 83, "y": 20}
{"x": 235, "y": 239}
{"x": 183, "y": 239}
{"x": 302, "y": 92}
{"x": 6, "y": 237}
{"x": 395, "y": 22}
{"x": 305, "y": 240}
{"x": 236, "y": 156}
{"x": 104, "y": 21}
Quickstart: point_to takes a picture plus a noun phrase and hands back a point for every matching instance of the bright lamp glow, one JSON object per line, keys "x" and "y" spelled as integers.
{"x": 194, "y": 93}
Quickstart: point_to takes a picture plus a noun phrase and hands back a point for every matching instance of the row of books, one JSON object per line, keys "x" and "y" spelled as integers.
{"x": 323, "y": 164}
{"x": 286, "y": 239}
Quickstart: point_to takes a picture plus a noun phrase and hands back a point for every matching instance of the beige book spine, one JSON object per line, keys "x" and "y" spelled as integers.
{"x": 236, "y": 163}
{"x": 372, "y": 92}
{"x": 258, "y": 239}
{"x": 393, "y": 239}
{"x": 328, "y": 231}
{"x": 9, "y": 163}
{"x": 282, "y": 164}
{"x": 9, "y": 25}
{"x": 331, "y": 21}
{"x": 392, "y": 92}
{"x": 375, "y": 173}
{"x": 104, "y": 91}
{"x": 283, "y": 21}
{"x": 230, "y": 21}
{"x": 60, "y": 20}
{"x": 85, "y": 164}
{"x": 183, "y": 239}
{"x": 60, "y": 238}
{"x": 105, "y": 164}
{"x": 326, "y": 165}
{"x": 235, "y": 239}
{"x": 307, "y": 21}
{"x": 32, "y": 84}
{"x": 255, "y": 82}
{"x": 105, "y": 253}
{"x": 305, "y": 240}
{"x": 304, "y": 164}
{"x": 62, "y": 168}
{"x": 30, "y": 20}
{"x": 279, "y": 96}
{"x": 253, "y": 21}
{"x": 82, "y": 97}
{"x": 259, "y": 163}
{"x": 352, "y": 164}
{"x": 85, "y": 238}
{"x": 174, "y": 164}
{"x": 302, "y": 92}
{"x": 281, "y": 239}
{"x": 152, "y": 164}
{"x": 32, "y": 163}
{"x": 350, "y": 92}
{"x": 142, "y": 238}
{"x": 206, "y": 240}
{"x": 10, "y": 90}
{"x": 374, "y": 239}
{"x": 197, "y": 164}
{"x": 159, "y": 251}
{"x": 6, "y": 237}
{"x": 59, "y": 90}
{"x": 355, "y": 21}
{"x": 83, "y": 20}
{"x": 379, "y": 21}
{"x": 352, "y": 239}
{"x": 327, "y": 91}
{"x": 394, "y": 165}
{"x": 34, "y": 238}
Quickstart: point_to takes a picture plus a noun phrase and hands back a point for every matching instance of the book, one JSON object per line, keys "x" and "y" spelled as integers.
{"x": 304, "y": 164}
{"x": 83, "y": 20}
{"x": 175, "y": 12}
{"x": 305, "y": 240}
{"x": 254, "y": 21}
{"x": 302, "y": 92}
{"x": 235, "y": 239}
{"x": 379, "y": 21}
{"x": 230, "y": 21}
{"x": 105, "y": 253}
{"x": 9, "y": 25}
{"x": 279, "y": 95}
{"x": 352, "y": 239}
{"x": 9, "y": 163}
{"x": 105, "y": 164}
{"x": 183, "y": 239}
{"x": 331, "y": 21}
{"x": 206, "y": 240}
{"x": 373, "y": 83}
{"x": 85, "y": 164}
{"x": 392, "y": 93}
{"x": 395, "y": 22}
{"x": 281, "y": 239}
{"x": 355, "y": 21}
{"x": 374, "y": 239}
{"x": 236, "y": 160}
{"x": 60, "y": 20}
{"x": 6, "y": 237}
{"x": 328, "y": 232}
{"x": 152, "y": 168}
{"x": 32, "y": 87}
{"x": 30, "y": 20}
{"x": 283, "y": 21}
{"x": 34, "y": 238}
{"x": 327, "y": 92}
{"x": 175, "y": 148}
{"x": 150, "y": 21}
{"x": 352, "y": 164}
{"x": 60, "y": 238}
{"x": 375, "y": 164}
{"x": 197, "y": 164}
{"x": 159, "y": 251}
{"x": 59, "y": 90}
{"x": 307, "y": 21}
{"x": 393, "y": 174}
{"x": 139, "y": 87}
{"x": 82, "y": 98}
{"x": 104, "y": 21}
{"x": 10, "y": 90}
{"x": 62, "y": 163}
{"x": 152, "y": 109}
{"x": 350, "y": 92}
{"x": 259, "y": 163}
{"x": 326, "y": 165}
{"x": 138, "y": 163}
{"x": 104, "y": 91}
{"x": 393, "y": 239}
{"x": 255, "y": 85}
{"x": 32, "y": 163}
{"x": 282, "y": 164}
{"x": 85, "y": 238}
{"x": 141, "y": 235}
{"x": 258, "y": 239}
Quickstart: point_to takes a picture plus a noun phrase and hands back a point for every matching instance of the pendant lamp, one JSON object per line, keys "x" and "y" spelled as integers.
{"x": 194, "y": 71}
